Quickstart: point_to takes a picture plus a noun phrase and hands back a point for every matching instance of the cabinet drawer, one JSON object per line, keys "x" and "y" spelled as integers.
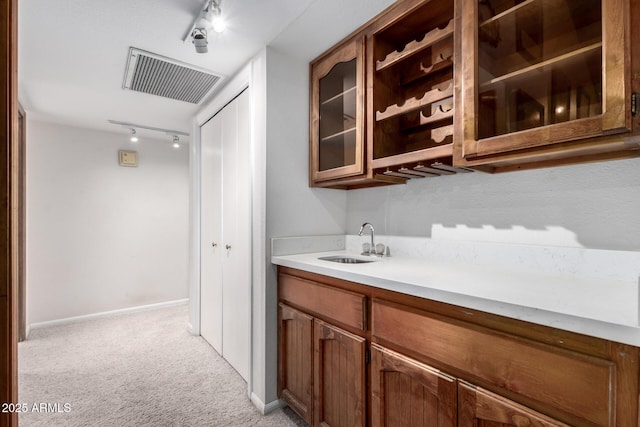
{"x": 579, "y": 385}
{"x": 326, "y": 302}
{"x": 480, "y": 407}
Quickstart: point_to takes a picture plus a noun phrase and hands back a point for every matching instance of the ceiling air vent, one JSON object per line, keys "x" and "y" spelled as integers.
{"x": 154, "y": 74}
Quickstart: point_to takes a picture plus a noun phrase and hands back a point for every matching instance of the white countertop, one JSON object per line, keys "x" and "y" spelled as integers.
{"x": 596, "y": 306}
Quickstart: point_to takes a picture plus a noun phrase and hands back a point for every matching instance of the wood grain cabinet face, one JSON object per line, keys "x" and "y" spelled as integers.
{"x": 578, "y": 385}
{"x": 539, "y": 72}
{"x": 424, "y": 357}
{"x": 339, "y": 381}
{"x": 335, "y": 305}
{"x": 407, "y": 393}
{"x": 337, "y": 114}
{"x": 296, "y": 373}
{"x": 410, "y": 98}
{"x": 480, "y": 408}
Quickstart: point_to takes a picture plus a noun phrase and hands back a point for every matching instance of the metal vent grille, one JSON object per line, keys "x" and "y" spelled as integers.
{"x": 149, "y": 73}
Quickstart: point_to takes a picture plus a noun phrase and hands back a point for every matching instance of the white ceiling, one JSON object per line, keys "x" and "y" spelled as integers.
{"x": 73, "y": 53}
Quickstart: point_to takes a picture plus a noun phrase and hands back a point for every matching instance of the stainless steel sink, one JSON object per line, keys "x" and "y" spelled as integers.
{"x": 345, "y": 259}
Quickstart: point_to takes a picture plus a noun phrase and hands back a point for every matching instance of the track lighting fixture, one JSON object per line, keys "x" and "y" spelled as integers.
{"x": 209, "y": 19}
{"x": 175, "y": 134}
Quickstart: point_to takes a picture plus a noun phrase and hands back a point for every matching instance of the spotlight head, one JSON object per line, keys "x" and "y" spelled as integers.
{"x": 218, "y": 24}
{"x": 213, "y": 14}
{"x": 199, "y": 36}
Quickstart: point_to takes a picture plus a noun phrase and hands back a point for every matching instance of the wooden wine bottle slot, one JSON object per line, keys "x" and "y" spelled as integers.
{"x": 412, "y": 104}
{"x": 439, "y": 65}
{"x": 398, "y": 174}
{"x": 414, "y": 46}
{"x": 418, "y": 174}
{"x": 439, "y": 134}
{"x": 455, "y": 169}
{"x": 439, "y": 114}
{"x": 433, "y": 171}
{"x": 421, "y": 71}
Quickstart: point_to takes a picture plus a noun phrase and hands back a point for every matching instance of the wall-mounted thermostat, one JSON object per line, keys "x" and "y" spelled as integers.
{"x": 128, "y": 158}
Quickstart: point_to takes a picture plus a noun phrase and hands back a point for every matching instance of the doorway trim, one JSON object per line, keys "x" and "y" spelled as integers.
{"x": 21, "y": 274}
{"x": 8, "y": 212}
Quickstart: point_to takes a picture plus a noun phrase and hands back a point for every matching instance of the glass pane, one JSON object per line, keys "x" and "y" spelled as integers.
{"x": 338, "y": 92}
{"x": 539, "y": 63}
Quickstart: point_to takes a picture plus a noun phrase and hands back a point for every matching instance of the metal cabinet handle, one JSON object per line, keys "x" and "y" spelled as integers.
{"x": 228, "y": 247}
{"x": 214, "y": 244}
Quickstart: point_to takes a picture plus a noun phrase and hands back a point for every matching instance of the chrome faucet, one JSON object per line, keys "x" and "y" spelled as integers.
{"x": 372, "y": 249}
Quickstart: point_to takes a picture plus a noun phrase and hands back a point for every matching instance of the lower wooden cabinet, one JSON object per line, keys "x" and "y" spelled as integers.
{"x": 352, "y": 355}
{"x": 339, "y": 380}
{"x": 481, "y": 408}
{"x": 407, "y": 393}
{"x": 295, "y": 366}
{"x": 321, "y": 370}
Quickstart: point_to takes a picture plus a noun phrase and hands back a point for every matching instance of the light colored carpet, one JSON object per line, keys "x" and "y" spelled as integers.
{"x": 139, "y": 369}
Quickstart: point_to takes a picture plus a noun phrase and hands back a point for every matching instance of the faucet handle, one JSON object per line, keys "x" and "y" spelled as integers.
{"x": 379, "y": 249}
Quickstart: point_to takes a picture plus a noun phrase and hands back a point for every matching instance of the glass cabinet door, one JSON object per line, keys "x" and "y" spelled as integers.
{"x": 337, "y": 119}
{"x": 542, "y": 72}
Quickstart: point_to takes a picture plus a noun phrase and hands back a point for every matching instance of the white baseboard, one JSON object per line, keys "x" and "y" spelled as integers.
{"x": 269, "y": 407}
{"x": 106, "y": 314}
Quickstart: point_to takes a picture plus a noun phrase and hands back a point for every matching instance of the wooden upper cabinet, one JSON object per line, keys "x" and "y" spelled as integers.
{"x": 337, "y": 114}
{"x": 339, "y": 380}
{"x": 480, "y": 408}
{"x": 382, "y": 101}
{"x": 538, "y": 72}
{"x": 436, "y": 87}
{"x": 407, "y": 393}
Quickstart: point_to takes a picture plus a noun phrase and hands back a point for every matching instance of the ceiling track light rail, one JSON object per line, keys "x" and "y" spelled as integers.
{"x": 134, "y": 138}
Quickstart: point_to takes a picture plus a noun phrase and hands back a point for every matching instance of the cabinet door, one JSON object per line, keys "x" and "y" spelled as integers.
{"x": 480, "y": 408}
{"x": 337, "y": 114}
{"x": 339, "y": 380}
{"x": 295, "y": 364}
{"x": 405, "y": 392}
{"x": 540, "y": 72}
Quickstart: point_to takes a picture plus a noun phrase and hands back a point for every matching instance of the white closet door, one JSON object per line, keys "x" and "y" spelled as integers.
{"x": 237, "y": 234}
{"x": 226, "y": 221}
{"x": 211, "y": 229}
